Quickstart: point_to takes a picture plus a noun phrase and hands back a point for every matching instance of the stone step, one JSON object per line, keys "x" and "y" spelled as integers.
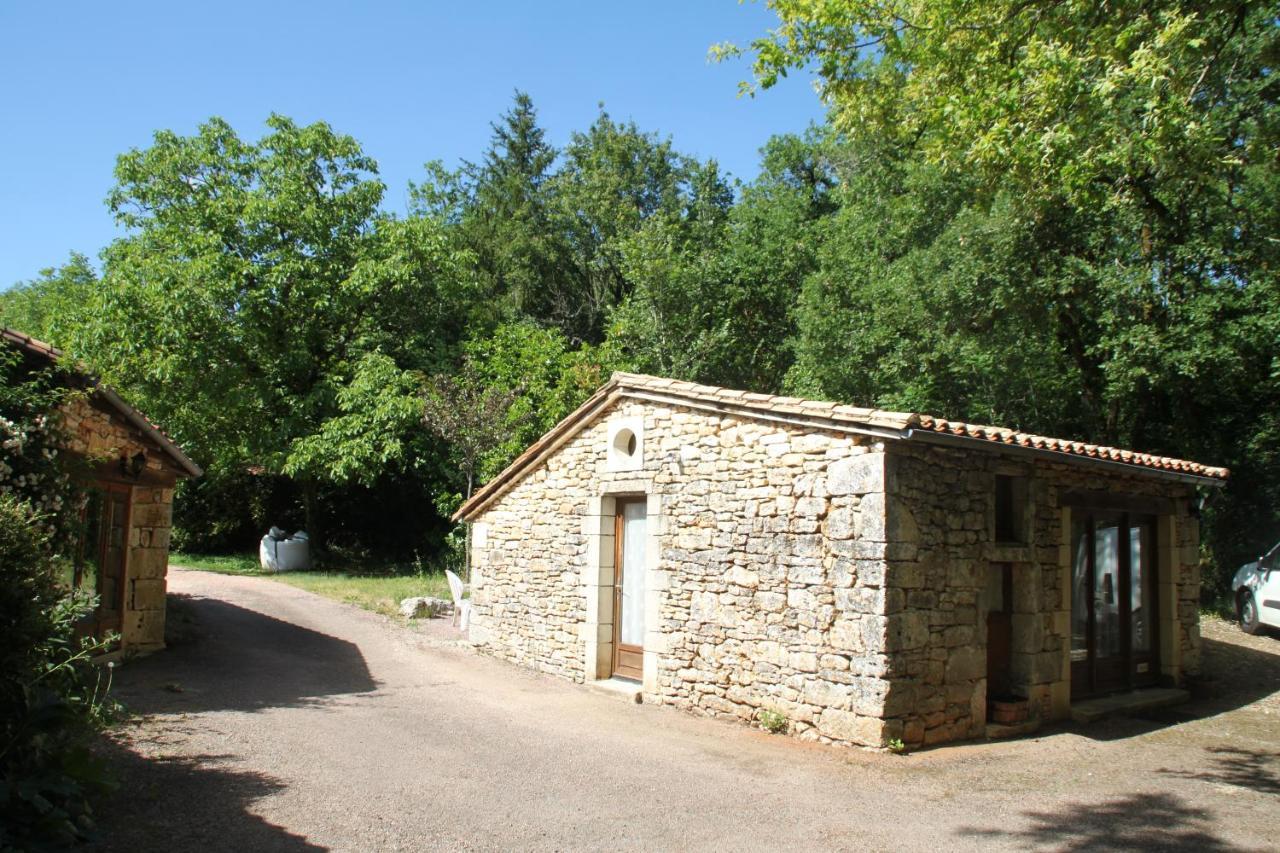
{"x": 1126, "y": 703}
{"x": 1003, "y": 730}
{"x": 618, "y": 688}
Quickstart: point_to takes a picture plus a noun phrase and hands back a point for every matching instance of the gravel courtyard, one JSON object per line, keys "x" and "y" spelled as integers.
{"x": 286, "y": 721}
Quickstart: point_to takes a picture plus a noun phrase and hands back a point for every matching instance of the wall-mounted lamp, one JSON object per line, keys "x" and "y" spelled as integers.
{"x": 132, "y": 466}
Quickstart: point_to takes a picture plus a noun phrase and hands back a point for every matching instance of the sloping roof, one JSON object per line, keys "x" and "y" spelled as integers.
{"x": 1002, "y": 435}
{"x": 823, "y": 415}
{"x": 53, "y": 355}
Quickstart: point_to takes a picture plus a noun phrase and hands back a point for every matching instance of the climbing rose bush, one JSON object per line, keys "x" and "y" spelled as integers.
{"x": 32, "y": 467}
{"x": 52, "y": 696}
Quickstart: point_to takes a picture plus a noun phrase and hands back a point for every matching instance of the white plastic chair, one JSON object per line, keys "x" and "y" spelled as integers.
{"x": 461, "y": 606}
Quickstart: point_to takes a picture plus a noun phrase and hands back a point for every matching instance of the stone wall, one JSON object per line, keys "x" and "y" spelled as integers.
{"x": 99, "y": 437}
{"x": 149, "y": 525}
{"x": 768, "y": 590}
{"x": 799, "y": 570}
{"x": 941, "y": 511}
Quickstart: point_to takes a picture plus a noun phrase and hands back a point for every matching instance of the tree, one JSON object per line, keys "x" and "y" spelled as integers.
{"x": 33, "y": 466}
{"x": 924, "y": 301}
{"x": 473, "y": 418}
{"x": 497, "y": 210}
{"x": 470, "y": 415}
{"x": 1077, "y": 203}
{"x": 547, "y": 228}
{"x": 49, "y": 306}
{"x": 1095, "y": 104}
{"x": 259, "y": 293}
{"x": 615, "y": 181}
{"x": 714, "y": 289}
{"x": 545, "y": 374}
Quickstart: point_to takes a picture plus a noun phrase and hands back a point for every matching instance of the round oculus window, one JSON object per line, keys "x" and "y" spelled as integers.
{"x": 625, "y": 442}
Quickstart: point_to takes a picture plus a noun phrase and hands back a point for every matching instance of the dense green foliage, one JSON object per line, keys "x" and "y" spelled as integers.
{"x": 50, "y": 700}
{"x": 1062, "y": 217}
{"x": 33, "y": 469}
{"x": 1050, "y": 216}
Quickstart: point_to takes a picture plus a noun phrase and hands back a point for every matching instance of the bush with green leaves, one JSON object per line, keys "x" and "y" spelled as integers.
{"x": 31, "y": 465}
{"x": 52, "y": 697}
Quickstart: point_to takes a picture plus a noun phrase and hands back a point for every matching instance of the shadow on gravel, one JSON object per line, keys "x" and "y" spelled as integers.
{"x": 187, "y": 803}
{"x": 228, "y": 658}
{"x": 1243, "y": 768}
{"x": 1235, "y": 674}
{"x": 1136, "y": 822}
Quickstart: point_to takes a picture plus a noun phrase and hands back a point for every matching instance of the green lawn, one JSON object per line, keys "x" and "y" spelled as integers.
{"x": 380, "y": 592}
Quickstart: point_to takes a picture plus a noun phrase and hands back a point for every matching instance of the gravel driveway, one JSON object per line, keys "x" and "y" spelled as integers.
{"x": 286, "y": 721}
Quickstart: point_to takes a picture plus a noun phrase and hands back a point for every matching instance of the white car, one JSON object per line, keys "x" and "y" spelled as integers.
{"x": 1257, "y": 590}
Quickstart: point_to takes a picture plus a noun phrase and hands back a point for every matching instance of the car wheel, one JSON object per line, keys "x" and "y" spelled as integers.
{"x": 1249, "y": 614}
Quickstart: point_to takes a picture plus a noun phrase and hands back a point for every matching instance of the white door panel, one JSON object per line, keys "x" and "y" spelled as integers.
{"x": 1268, "y": 597}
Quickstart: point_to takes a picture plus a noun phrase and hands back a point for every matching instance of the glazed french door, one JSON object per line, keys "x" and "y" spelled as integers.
{"x": 1113, "y": 603}
{"x": 628, "y": 588}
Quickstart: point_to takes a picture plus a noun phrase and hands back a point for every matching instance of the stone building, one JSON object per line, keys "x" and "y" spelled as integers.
{"x": 873, "y": 576}
{"x": 129, "y": 469}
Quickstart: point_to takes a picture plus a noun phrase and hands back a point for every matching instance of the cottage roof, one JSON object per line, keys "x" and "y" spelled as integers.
{"x": 51, "y": 354}
{"x": 833, "y": 416}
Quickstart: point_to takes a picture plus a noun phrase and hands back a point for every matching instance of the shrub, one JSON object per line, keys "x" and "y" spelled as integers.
{"x": 51, "y": 697}
{"x": 31, "y": 461}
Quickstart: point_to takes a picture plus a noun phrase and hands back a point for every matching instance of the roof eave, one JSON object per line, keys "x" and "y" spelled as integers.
{"x": 618, "y": 386}
{"x": 134, "y": 417}
{"x": 539, "y": 450}
{"x": 971, "y": 443}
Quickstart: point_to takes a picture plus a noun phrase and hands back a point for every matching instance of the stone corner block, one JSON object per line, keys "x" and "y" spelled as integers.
{"x": 856, "y": 475}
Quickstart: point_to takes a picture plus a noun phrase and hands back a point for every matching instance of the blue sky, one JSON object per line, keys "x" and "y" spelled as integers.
{"x": 82, "y": 82}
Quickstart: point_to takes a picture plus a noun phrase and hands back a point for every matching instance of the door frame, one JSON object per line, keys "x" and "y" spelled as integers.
{"x": 101, "y": 626}
{"x": 1090, "y": 676}
{"x": 1000, "y": 634}
{"x": 627, "y": 660}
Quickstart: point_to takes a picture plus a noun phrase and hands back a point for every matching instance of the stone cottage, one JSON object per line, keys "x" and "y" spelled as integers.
{"x": 129, "y": 469}
{"x": 874, "y": 576}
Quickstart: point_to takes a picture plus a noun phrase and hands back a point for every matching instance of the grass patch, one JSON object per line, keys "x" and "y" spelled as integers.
{"x": 233, "y": 564}
{"x": 379, "y": 593}
{"x": 377, "y": 590}
{"x": 1222, "y": 607}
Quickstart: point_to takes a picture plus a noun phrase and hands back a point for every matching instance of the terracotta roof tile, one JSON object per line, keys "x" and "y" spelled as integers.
{"x": 30, "y": 344}
{"x": 824, "y": 415}
{"x": 841, "y": 413}
{"x": 1077, "y": 448}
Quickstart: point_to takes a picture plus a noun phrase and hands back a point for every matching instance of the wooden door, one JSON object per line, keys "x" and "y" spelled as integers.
{"x": 630, "y": 525}
{"x": 113, "y": 550}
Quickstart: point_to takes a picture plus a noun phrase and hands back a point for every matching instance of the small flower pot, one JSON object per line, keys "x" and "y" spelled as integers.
{"x": 1008, "y": 712}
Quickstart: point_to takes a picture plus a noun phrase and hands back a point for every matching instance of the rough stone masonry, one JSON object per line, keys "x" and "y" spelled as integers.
{"x": 98, "y": 438}
{"x": 832, "y": 576}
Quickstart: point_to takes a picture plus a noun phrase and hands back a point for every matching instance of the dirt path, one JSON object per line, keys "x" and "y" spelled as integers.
{"x": 291, "y": 722}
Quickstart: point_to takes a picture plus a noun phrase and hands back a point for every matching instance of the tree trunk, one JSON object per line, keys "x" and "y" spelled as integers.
{"x": 311, "y": 509}
{"x": 466, "y": 548}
